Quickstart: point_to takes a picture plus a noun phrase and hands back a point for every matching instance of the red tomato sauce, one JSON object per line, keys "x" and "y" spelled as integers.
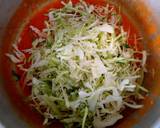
{"x": 27, "y": 36}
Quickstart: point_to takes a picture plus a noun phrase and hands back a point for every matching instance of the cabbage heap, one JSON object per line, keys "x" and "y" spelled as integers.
{"x": 83, "y": 71}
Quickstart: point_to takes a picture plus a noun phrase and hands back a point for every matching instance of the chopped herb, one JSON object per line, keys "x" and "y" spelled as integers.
{"x": 15, "y": 75}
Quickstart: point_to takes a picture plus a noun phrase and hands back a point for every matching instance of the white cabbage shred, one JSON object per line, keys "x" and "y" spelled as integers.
{"x": 83, "y": 71}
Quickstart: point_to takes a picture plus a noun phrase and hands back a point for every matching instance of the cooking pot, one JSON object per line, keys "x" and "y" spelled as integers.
{"x": 144, "y": 15}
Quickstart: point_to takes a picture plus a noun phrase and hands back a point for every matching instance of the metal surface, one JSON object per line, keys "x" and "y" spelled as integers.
{"x": 8, "y": 117}
{"x": 151, "y": 119}
{"x": 7, "y": 9}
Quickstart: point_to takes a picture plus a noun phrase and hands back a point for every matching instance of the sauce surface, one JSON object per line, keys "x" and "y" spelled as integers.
{"x": 37, "y": 20}
{"x": 27, "y": 36}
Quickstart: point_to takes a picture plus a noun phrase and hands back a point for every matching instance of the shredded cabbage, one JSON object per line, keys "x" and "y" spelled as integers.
{"x": 82, "y": 70}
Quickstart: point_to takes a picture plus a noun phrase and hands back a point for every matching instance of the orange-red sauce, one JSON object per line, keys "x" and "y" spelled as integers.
{"x": 27, "y": 37}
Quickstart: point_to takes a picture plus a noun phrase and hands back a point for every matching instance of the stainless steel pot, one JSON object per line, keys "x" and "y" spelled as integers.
{"x": 137, "y": 9}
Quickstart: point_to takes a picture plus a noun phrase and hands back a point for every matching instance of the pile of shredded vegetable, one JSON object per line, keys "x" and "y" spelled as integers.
{"x": 83, "y": 72}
